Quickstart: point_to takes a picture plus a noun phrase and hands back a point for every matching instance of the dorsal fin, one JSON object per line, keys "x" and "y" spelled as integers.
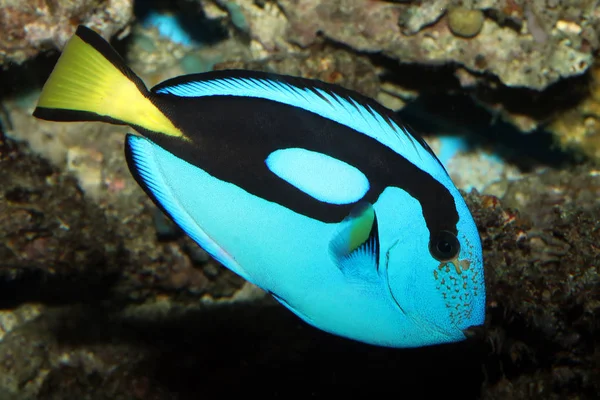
{"x": 329, "y": 101}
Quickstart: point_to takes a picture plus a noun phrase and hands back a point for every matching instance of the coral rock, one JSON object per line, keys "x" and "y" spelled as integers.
{"x": 464, "y": 22}
{"x": 29, "y": 27}
{"x": 500, "y": 48}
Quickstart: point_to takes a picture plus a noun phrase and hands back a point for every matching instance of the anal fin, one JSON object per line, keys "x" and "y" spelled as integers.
{"x": 145, "y": 159}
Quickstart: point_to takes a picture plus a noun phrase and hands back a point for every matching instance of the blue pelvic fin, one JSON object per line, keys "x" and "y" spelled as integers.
{"x": 355, "y": 245}
{"x": 144, "y": 159}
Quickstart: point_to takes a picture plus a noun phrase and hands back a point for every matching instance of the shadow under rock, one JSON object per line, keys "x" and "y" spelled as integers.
{"x": 37, "y": 285}
{"x": 459, "y": 115}
{"x": 263, "y": 349}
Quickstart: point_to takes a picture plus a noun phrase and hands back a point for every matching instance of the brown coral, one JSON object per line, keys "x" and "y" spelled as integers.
{"x": 579, "y": 127}
{"x": 29, "y": 27}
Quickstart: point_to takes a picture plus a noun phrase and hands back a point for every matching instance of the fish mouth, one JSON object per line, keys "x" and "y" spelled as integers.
{"x": 457, "y": 289}
{"x": 474, "y": 332}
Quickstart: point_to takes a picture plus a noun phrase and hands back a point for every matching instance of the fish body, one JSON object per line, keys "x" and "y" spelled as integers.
{"x": 312, "y": 192}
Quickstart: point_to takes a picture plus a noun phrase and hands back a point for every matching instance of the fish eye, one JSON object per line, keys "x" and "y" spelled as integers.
{"x": 444, "y": 246}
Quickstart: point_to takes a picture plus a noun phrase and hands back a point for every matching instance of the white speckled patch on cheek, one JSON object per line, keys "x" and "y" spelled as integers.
{"x": 459, "y": 286}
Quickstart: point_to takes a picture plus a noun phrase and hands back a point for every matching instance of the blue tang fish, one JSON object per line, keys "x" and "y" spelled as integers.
{"x": 312, "y": 192}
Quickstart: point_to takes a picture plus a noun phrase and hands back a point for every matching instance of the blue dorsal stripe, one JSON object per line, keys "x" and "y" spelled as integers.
{"x": 319, "y": 175}
{"x": 318, "y": 98}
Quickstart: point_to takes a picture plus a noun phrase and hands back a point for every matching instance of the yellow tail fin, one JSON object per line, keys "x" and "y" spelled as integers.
{"x": 91, "y": 82}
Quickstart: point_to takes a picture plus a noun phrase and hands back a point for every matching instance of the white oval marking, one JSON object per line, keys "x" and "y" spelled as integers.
{"x": 321, "y": 176}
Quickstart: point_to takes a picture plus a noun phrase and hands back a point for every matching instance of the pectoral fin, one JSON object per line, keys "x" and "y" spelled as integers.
{"x": 355, "y": 246}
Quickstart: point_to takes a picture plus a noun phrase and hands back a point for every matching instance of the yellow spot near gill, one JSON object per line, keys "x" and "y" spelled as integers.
{"x": 361, "y": 228}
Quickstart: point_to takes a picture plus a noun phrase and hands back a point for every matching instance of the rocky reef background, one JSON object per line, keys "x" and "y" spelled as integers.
{"x": 101, "y": 297}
